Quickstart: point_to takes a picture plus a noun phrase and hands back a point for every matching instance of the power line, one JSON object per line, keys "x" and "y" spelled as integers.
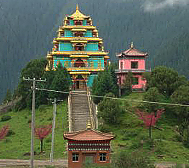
{"x": 115, "y": 98}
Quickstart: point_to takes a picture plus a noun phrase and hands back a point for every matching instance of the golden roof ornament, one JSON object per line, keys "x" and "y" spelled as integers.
{"x": 132, "y": 45}
{"x": 78, "y": 15}
{"x": 89, "y": 125}
{"x": 77, "y": 7}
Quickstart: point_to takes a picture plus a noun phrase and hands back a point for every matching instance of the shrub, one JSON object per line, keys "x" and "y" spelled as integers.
{"x": 104, "y": 128}
{"x": 131, "y": 160}
{"x": 5, "y": 118}
{"x": 48, "y": 140}
{"x": 10, "y": 132}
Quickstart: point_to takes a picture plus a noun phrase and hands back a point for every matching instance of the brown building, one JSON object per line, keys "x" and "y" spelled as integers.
{"x": 88, "y": 146}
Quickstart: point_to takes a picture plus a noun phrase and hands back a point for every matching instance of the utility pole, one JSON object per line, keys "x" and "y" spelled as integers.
{"x": 53, "y": 128}
{"x": 33, "y": 117}
{"x": 54, "y": 120}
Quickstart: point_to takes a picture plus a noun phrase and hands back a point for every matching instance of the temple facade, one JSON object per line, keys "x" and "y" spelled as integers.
{"x": 79, "y": 49}
{"x": 134, "y": 61}
{"x": 88, "y": 146}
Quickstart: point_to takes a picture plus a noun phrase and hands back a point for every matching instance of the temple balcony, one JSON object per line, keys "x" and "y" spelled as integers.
{"x": 78, "y": 69}
{"x": 96, "y": 53}
{"x": 78, "y": 27}
{"x": 76, "y": 39}
{"x": 132, "y": 70}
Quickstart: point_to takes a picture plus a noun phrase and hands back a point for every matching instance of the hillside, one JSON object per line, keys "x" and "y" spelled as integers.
{"x": 18, "y": 144}
{"x": 29, "y": 27}
{"x": 130, "y": 133}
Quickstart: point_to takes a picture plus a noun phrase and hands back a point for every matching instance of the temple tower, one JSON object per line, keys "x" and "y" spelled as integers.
{"x": 132, "y": 60}
{"x": 79, "y": 49}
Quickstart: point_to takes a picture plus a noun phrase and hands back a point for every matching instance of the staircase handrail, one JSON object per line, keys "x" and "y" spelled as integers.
{"x": 70, "y": 112}
{"x": 91, "y": 111}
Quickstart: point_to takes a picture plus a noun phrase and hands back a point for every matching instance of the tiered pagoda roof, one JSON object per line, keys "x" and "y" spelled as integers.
{"x": 77, "y": 15}
{"x": 88, "y": 135}
{"x": 132, "y": 52}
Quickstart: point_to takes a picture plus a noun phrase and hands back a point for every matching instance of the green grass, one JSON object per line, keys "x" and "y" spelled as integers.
{"x": 132, "y": 135}
{"x": 15, "y": 146}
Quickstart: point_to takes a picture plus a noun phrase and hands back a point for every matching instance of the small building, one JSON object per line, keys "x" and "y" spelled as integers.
{"x": 88, "y": 146}
{"x": 132, "y": 60}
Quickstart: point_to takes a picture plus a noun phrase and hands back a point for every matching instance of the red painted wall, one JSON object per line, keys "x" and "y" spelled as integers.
{"x": 127, "y": 63}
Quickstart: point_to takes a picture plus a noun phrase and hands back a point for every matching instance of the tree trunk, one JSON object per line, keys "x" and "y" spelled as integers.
{"x": 150, "y": 132}
{"x": 150, "y": 128}
{"x": 41, "y": 142}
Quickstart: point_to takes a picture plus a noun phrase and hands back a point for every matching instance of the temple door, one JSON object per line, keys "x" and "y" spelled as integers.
{"x": 89, "y": 158}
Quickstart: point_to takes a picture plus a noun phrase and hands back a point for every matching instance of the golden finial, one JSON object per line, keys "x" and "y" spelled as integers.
{"x": 77, "y": 7}
{"x": 88, "y": 125}
{"x": 132, "y": 45}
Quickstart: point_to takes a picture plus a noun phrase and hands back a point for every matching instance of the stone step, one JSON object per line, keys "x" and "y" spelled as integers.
{"x": 80, "y": 110}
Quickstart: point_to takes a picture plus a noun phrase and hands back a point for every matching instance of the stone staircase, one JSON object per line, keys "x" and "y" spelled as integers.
{"x": 80, "y": 113}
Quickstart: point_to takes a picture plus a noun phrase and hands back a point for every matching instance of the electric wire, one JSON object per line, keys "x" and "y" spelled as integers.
{"x": 115, "y": 98}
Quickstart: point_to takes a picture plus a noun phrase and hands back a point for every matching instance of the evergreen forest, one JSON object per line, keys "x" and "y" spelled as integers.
{"x": 28, "y": 27}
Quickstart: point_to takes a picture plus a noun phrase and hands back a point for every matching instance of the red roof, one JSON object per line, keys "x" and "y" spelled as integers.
{"x": 88, "y": 135}
{"x": 132, "y": 52}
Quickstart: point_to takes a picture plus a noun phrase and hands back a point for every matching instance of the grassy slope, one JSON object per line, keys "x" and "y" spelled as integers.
{"x": 14, "y": 146}
{"x": 132, "y": 135}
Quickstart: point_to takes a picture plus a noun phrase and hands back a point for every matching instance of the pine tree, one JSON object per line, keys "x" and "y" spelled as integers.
{"x": 61, "y": 82}
{"x": 8, "y": 96}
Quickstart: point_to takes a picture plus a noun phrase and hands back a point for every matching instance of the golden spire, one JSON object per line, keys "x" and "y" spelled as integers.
{"x": 89, "y": 125}
{"x": 77, "y": 7}
{"x": 78, "y": 15}
{"x": 132, "y": 45}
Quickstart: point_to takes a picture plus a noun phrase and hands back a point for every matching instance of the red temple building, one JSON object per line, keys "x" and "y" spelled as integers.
{"x": 132, "y": 60}
{"x": 88, "y": 146}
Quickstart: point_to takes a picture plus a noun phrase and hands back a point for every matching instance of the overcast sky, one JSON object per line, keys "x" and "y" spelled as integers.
{"x": 154, "y": 5}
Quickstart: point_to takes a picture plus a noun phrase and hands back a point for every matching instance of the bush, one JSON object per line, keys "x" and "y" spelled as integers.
{"x": 129, "y": 134}
{"x": 10, "y": 132}
{"x": 96, "y": 166}
{"x": 104, "y": 128}
{"x": 5, "y": 118}
{"x": 48, "y": 140}
{"x": 131, "y": 160}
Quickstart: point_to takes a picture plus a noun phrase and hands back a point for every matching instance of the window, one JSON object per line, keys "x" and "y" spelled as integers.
{"x": 135, "y": 81}
{"x": 79, "y": 47}
{"x": 67, "y": 22}
{"x": 102, "y": 156}
{"x": 75, "y": 157}
{"x": 89, "y": 22}
{"x": 78, "y": 34}
{"x": 78, "y": 22}
{"x": 134, "y": 64}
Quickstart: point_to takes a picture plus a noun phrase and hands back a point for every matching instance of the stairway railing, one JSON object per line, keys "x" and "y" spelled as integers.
{"x": 92, "y": 111}
{"x": 70, "y": 112}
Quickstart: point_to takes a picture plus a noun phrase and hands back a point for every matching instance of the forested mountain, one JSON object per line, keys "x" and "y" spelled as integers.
{"x": 27, "y": 29}
{"x": 175, "y": 54}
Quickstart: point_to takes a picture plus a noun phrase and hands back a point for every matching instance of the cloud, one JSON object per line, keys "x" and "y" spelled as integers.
{"x": 150, "y": 6}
